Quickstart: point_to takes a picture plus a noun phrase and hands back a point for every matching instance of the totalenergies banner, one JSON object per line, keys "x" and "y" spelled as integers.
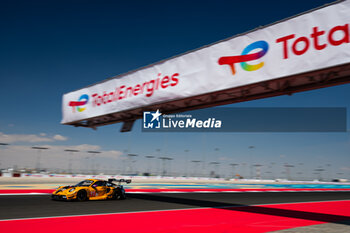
{"x": 312, "y": 41}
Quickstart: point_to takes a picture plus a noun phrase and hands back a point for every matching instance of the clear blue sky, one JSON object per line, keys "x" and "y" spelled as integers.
{"x": 49, "y": 48}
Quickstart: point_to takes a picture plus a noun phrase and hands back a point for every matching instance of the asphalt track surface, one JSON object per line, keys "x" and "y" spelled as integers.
{"x": 38, "y": 206}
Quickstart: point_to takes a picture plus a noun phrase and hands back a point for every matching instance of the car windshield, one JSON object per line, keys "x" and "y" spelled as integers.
{"x": 85, "y": 183}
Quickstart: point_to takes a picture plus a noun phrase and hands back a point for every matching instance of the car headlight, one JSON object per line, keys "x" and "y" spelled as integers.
{"x": 71, "y": 190}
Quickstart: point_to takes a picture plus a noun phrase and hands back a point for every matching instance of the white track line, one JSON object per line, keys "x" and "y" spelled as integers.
{"x": 22, "y": 194}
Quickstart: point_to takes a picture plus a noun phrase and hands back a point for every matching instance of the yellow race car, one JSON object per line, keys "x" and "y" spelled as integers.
{"x": 92, "y": 189}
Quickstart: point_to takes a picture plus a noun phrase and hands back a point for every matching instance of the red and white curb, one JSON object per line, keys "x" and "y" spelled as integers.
{"x": 248, "y": 219}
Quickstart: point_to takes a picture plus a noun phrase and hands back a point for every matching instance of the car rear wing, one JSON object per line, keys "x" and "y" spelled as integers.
{"x": 128, "y": 181}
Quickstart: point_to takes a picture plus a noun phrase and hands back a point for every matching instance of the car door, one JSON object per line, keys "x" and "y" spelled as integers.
{"x": 100, "y": 187}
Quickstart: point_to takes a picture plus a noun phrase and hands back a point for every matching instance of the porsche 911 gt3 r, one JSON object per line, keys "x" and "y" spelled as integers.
{"x": 92, "y": 189}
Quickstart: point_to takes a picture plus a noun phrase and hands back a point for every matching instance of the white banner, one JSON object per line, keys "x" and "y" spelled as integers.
{"x": 311, "y": 41}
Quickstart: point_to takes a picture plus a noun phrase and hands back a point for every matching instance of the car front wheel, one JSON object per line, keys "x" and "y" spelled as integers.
{"x": 82, "y": 196}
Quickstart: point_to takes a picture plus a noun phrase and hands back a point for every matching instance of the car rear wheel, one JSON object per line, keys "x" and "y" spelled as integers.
{"x": 119, "y": 194}
{"x": 82, "y": 196}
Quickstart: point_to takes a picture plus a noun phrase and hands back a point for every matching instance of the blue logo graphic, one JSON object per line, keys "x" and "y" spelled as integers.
{"x": 152, "y": 120}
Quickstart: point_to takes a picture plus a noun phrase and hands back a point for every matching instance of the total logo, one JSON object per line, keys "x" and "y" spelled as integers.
{"x": 291, "y": 46}
{"x": 77, "y": 105}
{"x": 245, "y": 57}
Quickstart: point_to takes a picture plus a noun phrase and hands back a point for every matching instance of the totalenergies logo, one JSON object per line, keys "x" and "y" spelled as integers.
{"x": 245, "y": 57}
{"x": 83, "y": 100}
{"x": 123, "y": 92}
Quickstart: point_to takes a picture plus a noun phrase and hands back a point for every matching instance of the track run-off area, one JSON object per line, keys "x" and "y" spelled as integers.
{"x": 255, "y": 211}
{"x": 177, "y": 206}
